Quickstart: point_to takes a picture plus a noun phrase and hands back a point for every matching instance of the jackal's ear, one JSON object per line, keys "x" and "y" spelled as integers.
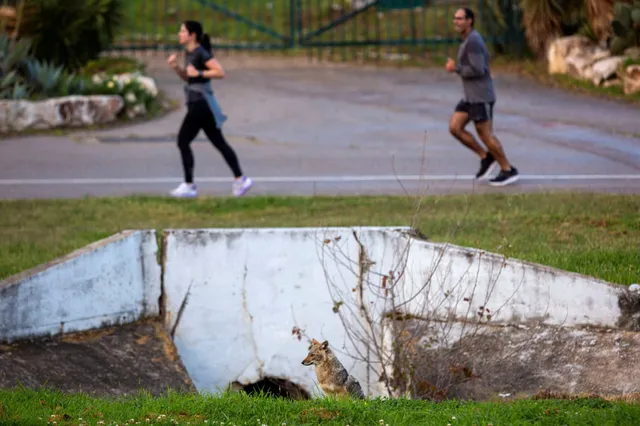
{"x": 324, "y": 345}
{"x": 315, "y": 342}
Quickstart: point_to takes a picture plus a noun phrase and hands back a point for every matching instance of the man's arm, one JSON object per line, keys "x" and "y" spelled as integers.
{"x": 477, "y": 66}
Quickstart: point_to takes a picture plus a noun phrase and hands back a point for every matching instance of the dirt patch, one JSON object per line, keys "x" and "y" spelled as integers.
{"x": 510, "y": 362}
{"x": 113, "y": 361}
{"x": 547, "y": 394}
{"x": 318, "y": 414}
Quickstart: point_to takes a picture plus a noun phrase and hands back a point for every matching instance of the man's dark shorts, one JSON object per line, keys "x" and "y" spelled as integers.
{"x": 478, "y": 112}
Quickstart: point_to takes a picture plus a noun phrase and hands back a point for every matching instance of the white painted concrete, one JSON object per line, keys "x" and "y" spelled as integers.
{"x": 249, "y": 288}
{"x": 115, "y": 280}
{"x": 512, "y": 290}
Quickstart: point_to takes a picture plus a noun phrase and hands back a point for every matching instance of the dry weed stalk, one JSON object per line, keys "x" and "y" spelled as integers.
{"x": 418, "y": 339}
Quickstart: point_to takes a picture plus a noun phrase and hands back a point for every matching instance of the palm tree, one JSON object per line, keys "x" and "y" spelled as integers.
{"x": 546, "y": 19}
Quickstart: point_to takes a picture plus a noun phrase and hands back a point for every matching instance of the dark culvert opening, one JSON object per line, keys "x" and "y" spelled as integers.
{"x": 275, "y": 388}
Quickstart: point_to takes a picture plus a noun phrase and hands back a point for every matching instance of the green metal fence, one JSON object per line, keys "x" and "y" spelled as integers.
{"x": 364, "y": 29}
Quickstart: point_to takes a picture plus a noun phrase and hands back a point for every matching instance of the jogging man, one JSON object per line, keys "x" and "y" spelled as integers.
{"x": 477, "y": 104}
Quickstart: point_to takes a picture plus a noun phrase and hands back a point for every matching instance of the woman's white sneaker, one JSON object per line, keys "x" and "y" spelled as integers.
{"x": 185, "y": 190}
{"x": 241, "y": 186}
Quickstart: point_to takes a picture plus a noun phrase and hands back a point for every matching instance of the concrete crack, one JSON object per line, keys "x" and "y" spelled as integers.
{"x": 249, "y": 317}
{"x": 181, "y": 310}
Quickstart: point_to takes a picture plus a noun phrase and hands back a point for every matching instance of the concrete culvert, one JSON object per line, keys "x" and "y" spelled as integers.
{"x": 274, "y": 387}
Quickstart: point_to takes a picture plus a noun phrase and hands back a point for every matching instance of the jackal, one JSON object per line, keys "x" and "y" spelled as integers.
{"x": 332, "y": 376}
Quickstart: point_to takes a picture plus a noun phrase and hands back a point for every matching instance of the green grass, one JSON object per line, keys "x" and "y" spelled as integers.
{"x": 38, "y": 407}
{"x": 597, "y": 235}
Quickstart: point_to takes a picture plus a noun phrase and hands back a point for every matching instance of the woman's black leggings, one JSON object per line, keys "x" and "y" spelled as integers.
{"x": 199, "y": 116}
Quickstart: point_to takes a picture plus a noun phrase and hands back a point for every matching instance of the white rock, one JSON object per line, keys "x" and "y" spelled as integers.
{"x": 574, "y": 55}
{"x": 564, "y": 47}
{"x": 632, "y": 79}
{"x": 634, "y": 287}
{"x": 56, "y": 112}
{"x": 606, "y": 68}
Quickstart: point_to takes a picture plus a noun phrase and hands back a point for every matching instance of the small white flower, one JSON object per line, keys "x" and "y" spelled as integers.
{"x": 110, "y": 84}
{"x": 131, "y": 97}
{"x": 96, "y": 79}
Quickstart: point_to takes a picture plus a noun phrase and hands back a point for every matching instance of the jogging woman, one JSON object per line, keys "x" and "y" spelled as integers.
{"x": 203, "y": 111}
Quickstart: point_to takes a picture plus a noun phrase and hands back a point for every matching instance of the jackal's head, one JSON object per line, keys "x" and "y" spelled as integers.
{"x": 317, "y": 352}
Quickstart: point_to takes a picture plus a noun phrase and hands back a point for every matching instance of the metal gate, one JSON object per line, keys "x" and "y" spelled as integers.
{"x": 363, "y": 29}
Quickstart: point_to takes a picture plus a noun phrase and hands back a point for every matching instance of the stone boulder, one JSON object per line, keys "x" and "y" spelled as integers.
{"x": 632, "y": 79}
{"x": 68, "y": 111}
{"x": 605, "y": 69}
{"x": 574, "y": 55}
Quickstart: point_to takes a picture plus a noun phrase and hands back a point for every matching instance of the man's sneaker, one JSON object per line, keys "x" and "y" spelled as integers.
{"x": 487, "y": 166}
{"x": 185, "y": 190}
{"x": 241, "y": 186}
{"x": 505, "y": 177}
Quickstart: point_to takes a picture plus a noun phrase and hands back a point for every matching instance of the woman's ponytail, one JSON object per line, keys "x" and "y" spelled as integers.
{"x": 206, "y": 42}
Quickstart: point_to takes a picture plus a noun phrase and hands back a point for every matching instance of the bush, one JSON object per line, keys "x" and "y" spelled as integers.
{"x": 71, "y": 33}
{"x": 138, "y": 97}
{"x": 626, "y": 27}
{"x": 111, "y": 65}
{"x": 22, "y": 76}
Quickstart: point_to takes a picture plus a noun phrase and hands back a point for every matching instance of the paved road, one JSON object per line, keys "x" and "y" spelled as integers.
{"x": 336, "y": 129}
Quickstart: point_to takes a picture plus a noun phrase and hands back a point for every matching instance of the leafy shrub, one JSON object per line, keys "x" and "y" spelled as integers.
{"x": 110, "y": 65}
{"x": 24, "y": 77}
{"x": 71, "y": 33}
{"x": 138, "y": 97}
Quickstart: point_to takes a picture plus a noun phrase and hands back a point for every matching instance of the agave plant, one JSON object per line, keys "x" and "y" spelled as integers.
{"x": 49, "y": 80}
{"x": 626, "y": 26}
{"x": 14, "y": 55}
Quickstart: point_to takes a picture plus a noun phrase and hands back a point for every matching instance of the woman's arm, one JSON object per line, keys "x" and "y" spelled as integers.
{"x": 173, "y": 63}
{"x": 181, "y": 73}
{"x": 214, "y": 70}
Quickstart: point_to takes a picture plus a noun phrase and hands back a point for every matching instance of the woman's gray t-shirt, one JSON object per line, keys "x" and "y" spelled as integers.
{"x": 198, "y": 57}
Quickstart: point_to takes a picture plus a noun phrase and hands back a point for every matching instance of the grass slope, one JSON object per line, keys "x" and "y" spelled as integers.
{"x": 38, "y": 407}
{"x": 597, "y": 235}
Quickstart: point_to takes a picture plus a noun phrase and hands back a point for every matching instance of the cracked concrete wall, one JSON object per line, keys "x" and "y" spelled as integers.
{"x": 115, "y": 280}
{"x": 465, "y": 281}
{"x": 247, "y": 290}
{"x": 233, "y": 296}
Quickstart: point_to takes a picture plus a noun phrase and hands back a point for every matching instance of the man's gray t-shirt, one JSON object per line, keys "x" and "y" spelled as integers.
{"x": 473, "y": 68}
{"x": 198, "y": 57}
